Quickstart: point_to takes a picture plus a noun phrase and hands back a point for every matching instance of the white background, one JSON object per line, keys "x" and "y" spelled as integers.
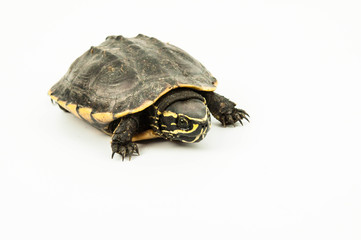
{"x": 294, "y": 172}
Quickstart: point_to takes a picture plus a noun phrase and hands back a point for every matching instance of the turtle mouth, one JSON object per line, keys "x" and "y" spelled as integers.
{"x": 197, "y": 137}
{"x": 188, "y": 138}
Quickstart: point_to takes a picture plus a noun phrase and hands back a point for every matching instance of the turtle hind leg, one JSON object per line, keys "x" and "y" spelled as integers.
{"x": 122, "y": 137}
{"x": 224, "y": 110}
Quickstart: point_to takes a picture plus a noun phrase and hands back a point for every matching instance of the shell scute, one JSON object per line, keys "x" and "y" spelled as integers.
{"x": 126, "y": 75}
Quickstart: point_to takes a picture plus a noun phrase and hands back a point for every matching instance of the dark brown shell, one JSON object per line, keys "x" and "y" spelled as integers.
{"x": 125, "y": 75}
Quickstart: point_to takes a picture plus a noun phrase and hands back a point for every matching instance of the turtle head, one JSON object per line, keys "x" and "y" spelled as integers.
{"x": 186, "y": 119}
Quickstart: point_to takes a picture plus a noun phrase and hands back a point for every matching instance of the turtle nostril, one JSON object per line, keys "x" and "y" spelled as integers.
{"x": 204, "y": 125}
{"x": 205, "y": 129}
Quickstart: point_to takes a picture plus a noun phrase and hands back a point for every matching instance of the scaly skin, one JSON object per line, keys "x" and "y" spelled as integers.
{"x": 223, "y": 109}
{"x": 122, "y": 137}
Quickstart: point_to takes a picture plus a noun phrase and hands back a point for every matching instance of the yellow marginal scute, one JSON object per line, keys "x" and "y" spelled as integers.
{"x": 148, "y": 134}
{"x": 52, "y": 96}
{"x": 104, "y": 117}
{"x": 85, "y": 114}
{"x": 72, "y": 108}
{"x": 135, "y": 110}
{"x": 62, "y": 103}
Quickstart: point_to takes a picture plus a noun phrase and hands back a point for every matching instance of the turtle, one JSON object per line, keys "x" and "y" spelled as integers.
{"x": 141, "y": 88}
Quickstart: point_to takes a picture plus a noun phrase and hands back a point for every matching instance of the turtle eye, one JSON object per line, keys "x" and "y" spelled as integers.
{"x": 183, "y": 123}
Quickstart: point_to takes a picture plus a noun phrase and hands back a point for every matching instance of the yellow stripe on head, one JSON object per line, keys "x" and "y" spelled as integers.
{"x": 170, "y": 114}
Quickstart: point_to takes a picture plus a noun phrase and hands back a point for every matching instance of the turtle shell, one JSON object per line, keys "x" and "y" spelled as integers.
{"x": 122, "y": 76}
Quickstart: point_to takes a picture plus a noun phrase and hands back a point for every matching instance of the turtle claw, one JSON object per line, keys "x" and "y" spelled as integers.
{"x": 136, "y": 149}
{"x": 223, "y": 120}
{"x": 229, "y": 119}
{"x": 237, "y": 115}
{"x": 125, "y": 150}
{"x": 122, "y": 152}
{"x": 243, "y": 114}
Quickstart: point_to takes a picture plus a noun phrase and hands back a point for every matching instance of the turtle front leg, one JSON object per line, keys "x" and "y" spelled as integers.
{"x": 224, "y": 110}
{"x": 122, "y": 137}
